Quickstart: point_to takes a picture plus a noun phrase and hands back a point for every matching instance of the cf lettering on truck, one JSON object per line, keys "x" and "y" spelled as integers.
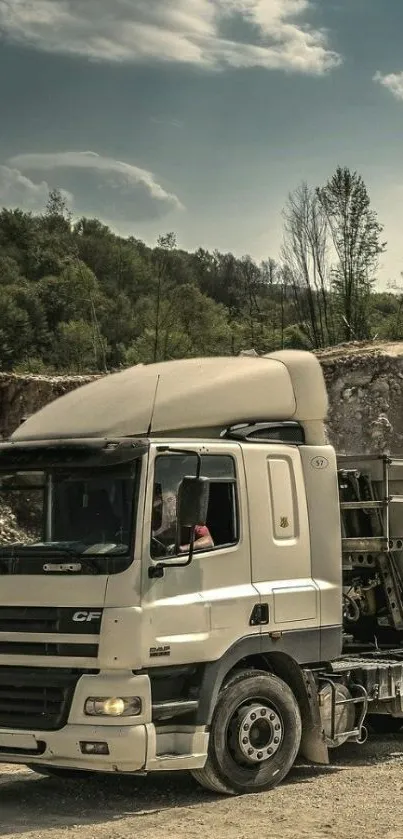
{"x": 198, "y": 581}
{"x": 87, "y": 617}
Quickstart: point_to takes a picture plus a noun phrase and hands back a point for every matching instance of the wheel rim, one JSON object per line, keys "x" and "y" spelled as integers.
{"x": 255, "y": 733}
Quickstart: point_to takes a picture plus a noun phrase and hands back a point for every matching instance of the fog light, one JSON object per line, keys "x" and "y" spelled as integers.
{"x": 96, "y": 748}
{"x": 113, "y": 706}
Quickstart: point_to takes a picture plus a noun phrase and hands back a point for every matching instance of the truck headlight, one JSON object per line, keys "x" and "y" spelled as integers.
{"x": 113, "y": 706}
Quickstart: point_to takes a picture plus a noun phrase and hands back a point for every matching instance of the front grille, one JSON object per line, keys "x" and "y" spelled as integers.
{"x": 48, "y": 648}
{"x": 50, "y": 620}
{"x": 20, "y": 619}
{"x": 36, "y": 698}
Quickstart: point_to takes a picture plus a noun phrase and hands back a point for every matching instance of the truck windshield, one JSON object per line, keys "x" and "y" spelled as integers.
{"x": 68, "y": 512}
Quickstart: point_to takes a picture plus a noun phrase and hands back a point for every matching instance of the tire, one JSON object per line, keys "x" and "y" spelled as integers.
{"x": 255, "y": 735}
{"x": 59, "y": 772}
{"x": 384, "y": 724}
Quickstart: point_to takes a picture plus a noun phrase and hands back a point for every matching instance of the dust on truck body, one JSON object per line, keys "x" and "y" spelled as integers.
{"x": 126, "y": 647}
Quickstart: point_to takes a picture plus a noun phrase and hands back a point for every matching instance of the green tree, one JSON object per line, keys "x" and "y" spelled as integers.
{"x": 191, "y": 324}
{"x": 74, "y": 296}
{"x": 58, "y": 214}
{"x": 356, "y": 236}
{"x": 9, "y": 271}
{"x": 16, "y": 331}
{"x": 161, "y": 262}
{"x": 18, "y": 239}
{"x": 77, "y": 297}
{"x": 77, "y": 350}
{"x": 119, "y": 264}
{"x": 70, "y": 295}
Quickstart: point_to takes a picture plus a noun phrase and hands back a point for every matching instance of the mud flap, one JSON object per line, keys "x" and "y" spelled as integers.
{"x": 313, "y": 744}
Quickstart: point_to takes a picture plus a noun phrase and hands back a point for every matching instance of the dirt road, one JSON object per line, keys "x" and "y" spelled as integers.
{"x": 359, "y": 795}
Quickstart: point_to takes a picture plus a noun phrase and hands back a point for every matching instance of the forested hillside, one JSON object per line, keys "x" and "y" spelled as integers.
{"x": 75, "y": 297}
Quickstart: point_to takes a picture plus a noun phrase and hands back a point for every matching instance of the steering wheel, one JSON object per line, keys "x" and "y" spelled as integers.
{"x": 159, "y": 548}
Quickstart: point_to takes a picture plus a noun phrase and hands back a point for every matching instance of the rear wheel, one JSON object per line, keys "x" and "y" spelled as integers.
{"x": 255, "y": 735}
{"x": 59, "y": 772}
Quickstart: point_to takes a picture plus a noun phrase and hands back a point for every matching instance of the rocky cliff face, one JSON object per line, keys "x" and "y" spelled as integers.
{"x": 365, "y": 386}
{"x": 21, "y": 396}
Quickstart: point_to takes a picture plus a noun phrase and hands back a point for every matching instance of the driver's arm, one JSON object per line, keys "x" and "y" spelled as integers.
{"x": 203, "y": 539}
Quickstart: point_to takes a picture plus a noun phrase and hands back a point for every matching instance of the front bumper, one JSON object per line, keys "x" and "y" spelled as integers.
{"x": 126, "y": 737}
{"x": 134, "y": 744}
{"x": 127, "y": 747}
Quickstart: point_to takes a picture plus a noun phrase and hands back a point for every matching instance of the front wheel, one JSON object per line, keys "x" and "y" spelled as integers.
{"x": 255, "y": 735}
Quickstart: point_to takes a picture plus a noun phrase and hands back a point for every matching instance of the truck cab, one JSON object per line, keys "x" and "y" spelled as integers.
{"x": 127, "y": 646}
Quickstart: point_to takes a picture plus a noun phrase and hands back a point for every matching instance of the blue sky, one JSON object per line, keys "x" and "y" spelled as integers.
{"x": 199, "y": 116}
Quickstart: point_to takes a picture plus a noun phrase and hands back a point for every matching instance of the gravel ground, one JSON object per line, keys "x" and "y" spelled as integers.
{"x": 360, "y": 794}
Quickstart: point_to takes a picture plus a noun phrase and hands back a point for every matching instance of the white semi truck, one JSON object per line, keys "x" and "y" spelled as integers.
{"x": 128, "y": 645}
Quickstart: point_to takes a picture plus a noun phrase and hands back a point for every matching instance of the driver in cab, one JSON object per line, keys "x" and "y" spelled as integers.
{"x": 164, "y": 534}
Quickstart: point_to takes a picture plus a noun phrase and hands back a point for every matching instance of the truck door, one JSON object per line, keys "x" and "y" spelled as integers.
{"x": 196, "y": 612}
{"x": 280, "y": 545}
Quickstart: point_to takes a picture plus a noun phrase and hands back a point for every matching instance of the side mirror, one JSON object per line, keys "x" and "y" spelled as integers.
{"x": 191, "y": 508}
{"x": 193, "y": 501}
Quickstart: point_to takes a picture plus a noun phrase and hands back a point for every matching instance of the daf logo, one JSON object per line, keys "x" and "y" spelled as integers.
{"x": 86, "y": 617}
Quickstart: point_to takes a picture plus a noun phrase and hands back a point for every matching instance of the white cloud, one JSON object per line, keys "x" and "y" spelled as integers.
{"x": 121, "y": 175}
{"x": 392, "y": 81}
{"x": 269, "y": 33}
{"x": 100, "y": 185}
{"x": 16, "y": 190}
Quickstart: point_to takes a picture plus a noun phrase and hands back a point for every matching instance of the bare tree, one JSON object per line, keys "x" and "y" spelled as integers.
{"x": 305, "y": 255}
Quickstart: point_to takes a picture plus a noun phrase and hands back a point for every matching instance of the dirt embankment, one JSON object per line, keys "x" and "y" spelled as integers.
{"x": 21, "y": 396}
{"x": 365, "y": 387}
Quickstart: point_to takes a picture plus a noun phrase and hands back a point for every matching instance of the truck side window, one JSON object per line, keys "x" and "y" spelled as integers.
{"x": 222, "y": 518}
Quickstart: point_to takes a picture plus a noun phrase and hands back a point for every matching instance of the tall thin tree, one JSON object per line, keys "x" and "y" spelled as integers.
{"x": 305, "y": 255}
{"x": 356, "y": 236}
